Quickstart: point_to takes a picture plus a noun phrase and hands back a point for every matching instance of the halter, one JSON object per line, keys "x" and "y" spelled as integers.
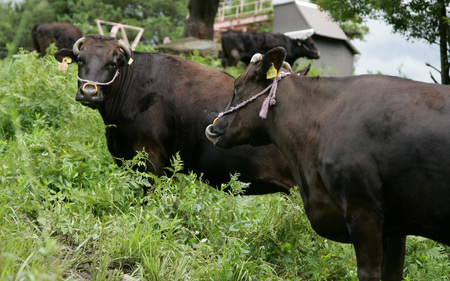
{"x": 95, "y": 84}
{"x": 269, "y": 101}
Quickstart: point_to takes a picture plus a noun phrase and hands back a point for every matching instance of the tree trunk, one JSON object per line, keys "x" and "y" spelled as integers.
{"x": 443, "y": 41}
{"x": 200, "y": 22}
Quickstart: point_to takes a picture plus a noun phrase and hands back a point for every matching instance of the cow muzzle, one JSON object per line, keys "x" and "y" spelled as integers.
{"x": 90, "y": 90}
{"x": 210, "y": 134}
{"x": 89, "y": 95}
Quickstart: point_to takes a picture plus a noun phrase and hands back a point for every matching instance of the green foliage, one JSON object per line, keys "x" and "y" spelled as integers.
{"x": 416, "y": 19}
{"x": 160, "y": 18}
{"x": 347, "y": 15}
{"x": 68, "y": 212}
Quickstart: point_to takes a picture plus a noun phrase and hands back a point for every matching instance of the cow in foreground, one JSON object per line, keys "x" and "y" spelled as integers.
{"x": 62, "y": 34}
{"x": 370, "y": 154}
{"x": 162, "y": 103}
{"x": 240, "y": 46}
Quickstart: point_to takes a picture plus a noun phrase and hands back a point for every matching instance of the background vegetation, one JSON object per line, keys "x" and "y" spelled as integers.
{"x": 415, "y": 19}
{"x": 67, "y": 212}
{"x": 160, "y": 18}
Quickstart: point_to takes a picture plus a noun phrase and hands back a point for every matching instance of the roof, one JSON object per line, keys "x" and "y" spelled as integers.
{"x": 300, "y": 34}
{"x": 319, "y": 20}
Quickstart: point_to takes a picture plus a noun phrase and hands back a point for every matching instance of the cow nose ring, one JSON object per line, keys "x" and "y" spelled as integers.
{"x": 90, "y": 84}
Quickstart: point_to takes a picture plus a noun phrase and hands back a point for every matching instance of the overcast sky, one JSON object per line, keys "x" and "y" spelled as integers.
{"x": 386, "y": 52}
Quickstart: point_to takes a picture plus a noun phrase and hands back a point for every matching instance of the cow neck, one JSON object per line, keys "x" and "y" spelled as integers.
{"x": 303, "y": 106}
{"x": 116, "y": 93}
{"x": 268, "y": 101}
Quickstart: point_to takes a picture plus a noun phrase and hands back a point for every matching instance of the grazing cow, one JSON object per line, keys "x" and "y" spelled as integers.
{"x": 240, "y": 46}
{"x": 162, "y": 103}
{"x": 370, "y": 154}
{"x": 62, "y": 34}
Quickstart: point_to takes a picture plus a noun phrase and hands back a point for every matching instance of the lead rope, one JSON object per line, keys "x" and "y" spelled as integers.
{"x": 269, "y": 101}
{"x": 95, "y": 84}
{"x": 99, "y": 83}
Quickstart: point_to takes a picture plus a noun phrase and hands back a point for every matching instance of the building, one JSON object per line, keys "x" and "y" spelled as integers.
{"x": 336, "y": 50}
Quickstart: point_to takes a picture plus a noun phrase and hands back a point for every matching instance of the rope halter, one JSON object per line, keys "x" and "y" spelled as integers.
{"x": 268, "y": 101}
{"x": 95, "y": 84}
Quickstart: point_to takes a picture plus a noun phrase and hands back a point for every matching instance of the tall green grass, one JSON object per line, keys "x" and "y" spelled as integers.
{"x": 67, "y": 212}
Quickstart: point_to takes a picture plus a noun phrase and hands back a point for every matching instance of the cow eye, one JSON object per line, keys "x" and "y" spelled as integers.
{"x": 236, "y": 88}
{"x": 112, "y": 64}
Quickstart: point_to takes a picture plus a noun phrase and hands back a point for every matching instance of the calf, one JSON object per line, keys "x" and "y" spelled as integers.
{"x": 370, "y": 154}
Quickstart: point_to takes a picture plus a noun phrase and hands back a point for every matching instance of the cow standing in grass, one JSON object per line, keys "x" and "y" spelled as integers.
{"x": 240, "y": 46}
{"x": 371, "y": 154}
{"x": 62, "y": 34}
{"x": 161, "y": 104}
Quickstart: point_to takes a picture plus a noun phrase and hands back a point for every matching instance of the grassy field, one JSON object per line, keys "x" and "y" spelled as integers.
{"x": 67, "y": 212}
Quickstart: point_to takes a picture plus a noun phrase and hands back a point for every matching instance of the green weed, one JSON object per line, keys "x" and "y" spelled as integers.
{"x": 68, "y": 212}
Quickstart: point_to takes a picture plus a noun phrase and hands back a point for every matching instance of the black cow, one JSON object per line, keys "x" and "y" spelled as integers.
{"x": 62, "y": 34}
{"x": 240, "y": 46}
{"x": 162, "y": 103}
{"x": 371, "y": 155}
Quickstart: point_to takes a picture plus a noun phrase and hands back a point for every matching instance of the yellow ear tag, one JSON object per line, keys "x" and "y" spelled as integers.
{"x": 65, "y": 63}
{"x": 272, "y": 72}
{"x": 130, "y": 61}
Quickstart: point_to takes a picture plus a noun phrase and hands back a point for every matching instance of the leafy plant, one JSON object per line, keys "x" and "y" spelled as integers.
{"x": 68, "y": 212}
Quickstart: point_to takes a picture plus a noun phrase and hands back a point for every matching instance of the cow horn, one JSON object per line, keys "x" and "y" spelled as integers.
{"x": 256, "y": 58}
{"x": 125, "y": 49}
{"x": 77, "y": 45}
{"x": 287, "y": 66}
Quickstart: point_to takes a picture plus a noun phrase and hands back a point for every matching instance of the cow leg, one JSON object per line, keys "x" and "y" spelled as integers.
{"x": 43, "y": 45}
{"x": 235, "y": 57}
{"x": 155, "y": 165}
{"x": 366, "y": 233}
{"x": 393, "y": 258}
{"x": 224, "y": 60}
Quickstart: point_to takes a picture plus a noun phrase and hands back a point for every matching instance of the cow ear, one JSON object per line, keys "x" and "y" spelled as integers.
{"x": 304, "y": 71}
{"x": 272, "y": 62}
{"x": 64, "y": 53}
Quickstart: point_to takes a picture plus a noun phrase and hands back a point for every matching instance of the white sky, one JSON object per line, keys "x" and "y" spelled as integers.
{"x": 386, "y": 52}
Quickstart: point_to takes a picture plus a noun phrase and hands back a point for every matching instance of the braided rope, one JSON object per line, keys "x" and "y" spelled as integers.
{"x": 269, "y": 101}
{"x": 99, "y": 83}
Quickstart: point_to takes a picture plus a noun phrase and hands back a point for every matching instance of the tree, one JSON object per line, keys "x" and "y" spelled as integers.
{"x": 415, "y": 19}
{"x": 200, "y": 22}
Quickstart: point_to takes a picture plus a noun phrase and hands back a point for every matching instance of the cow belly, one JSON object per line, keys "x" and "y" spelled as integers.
{"x": 419, "y": 205}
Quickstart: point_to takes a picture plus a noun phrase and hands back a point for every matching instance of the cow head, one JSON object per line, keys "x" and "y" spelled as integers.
{"x": 99, "y": 59}
{"x": 241, "y": 123}
{"x": 308, "y": 48}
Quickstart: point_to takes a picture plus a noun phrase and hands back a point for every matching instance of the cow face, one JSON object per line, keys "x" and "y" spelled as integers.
{"x": 99, "y": 59}
{"x": 308, "y": 48}
{"x": 241, "y": 122}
